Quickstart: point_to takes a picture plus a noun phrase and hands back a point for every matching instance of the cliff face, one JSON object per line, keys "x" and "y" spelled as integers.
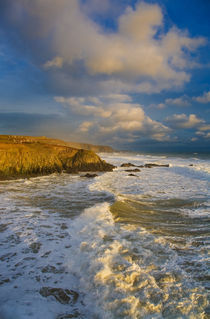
{"x": 28, "y": 156}
{"x": 85, "y": 160}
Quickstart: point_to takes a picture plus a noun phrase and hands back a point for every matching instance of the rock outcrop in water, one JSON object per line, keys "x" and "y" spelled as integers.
{"x": 28, "y": 156}
{"x": 147, "y": 165}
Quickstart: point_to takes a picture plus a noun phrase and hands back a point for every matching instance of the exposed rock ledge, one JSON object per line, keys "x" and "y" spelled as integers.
{"x": 33, "y": 159}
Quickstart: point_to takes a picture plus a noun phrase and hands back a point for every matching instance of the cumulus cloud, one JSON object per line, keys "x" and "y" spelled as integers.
{"x": 180, "y": 101}
{"x": 207, "y": 136}
{"x": 205, "y": 98}
{"x": 205, "y": 127}
{"x": 204, "y": 131}
{"x": 138, "y": 56}
{"x": 115, "y": 115}
{"x": 177, "y": 121}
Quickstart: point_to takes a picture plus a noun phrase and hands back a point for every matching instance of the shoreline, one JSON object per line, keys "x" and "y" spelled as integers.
{"x": 23, "y": 158}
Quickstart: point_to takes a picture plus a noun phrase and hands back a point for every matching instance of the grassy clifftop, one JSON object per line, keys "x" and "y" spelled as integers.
{"x": 52, "y": 141}
{"x": 30, "y": 156}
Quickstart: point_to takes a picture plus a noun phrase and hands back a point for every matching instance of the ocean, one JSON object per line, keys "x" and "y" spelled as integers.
{"x": 114, "y": 246}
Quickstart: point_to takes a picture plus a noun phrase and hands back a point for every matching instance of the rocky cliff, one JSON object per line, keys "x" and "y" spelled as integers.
{"x": 30, "y": 156}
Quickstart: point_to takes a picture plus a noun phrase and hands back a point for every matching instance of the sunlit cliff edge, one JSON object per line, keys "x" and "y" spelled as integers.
{"x": 26, "y": 156}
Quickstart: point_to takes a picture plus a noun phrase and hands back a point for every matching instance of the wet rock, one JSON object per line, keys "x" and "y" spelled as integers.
{"x": 136, "y": 170}
{"x": 64, "y": 226}
{"x": 64, "y": 296}
{"x": 35, "y": 247}
{"x": 29, "y": 258}
{"x": 127, "y": 165}
{"x": 3, "y": 227}
{"x": 151, "y": 165}
{"x": 88, "y": 175}
{"x": 7, "y": 257}
{"x": 68, "y": 316}
{"x": 4, "y": 281}
{"x": 52, "y": 269}
{"x": 45, "y": 255}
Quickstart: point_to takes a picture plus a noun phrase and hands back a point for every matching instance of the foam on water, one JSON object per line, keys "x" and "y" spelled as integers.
{"x": 146, "y": 256}
{"x": 127, "y": 272}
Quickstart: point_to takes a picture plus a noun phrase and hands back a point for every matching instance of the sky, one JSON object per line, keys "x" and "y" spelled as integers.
{"x": 131, "y": 74}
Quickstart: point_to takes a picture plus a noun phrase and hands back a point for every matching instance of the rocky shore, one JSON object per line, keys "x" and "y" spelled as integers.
{"x": 29, "y": 156}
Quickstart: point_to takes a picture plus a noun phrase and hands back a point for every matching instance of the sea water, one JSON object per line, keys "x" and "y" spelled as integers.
{"x": 127, "y": 246}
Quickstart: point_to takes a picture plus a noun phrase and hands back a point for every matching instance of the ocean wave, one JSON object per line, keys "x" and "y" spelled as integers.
{"x": 126, "y": 272}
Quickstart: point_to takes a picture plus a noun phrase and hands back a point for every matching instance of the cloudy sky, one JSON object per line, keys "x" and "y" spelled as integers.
{"x": 127, "y": 73}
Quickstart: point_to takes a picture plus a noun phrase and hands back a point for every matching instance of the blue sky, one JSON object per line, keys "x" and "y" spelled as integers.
{"x": 131, "y": 74}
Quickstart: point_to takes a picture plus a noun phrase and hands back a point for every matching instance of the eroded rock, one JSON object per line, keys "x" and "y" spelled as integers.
{"x": 127, "y": 165}
{"x": 151, "y": 165}
{"x": 64, "y": 296}
{"x": 88, "y": 175}
{"x": 52, "y": 269}
{"x": 35, "y": 247}
{"x": 69, "y": 316}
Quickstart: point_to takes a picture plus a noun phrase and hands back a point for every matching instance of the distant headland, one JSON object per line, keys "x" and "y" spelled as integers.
{"x": 28, "y": 156}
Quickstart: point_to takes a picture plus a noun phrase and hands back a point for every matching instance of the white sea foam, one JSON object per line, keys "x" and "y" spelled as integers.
{"x": 123, "y": 277}
{"x": 58, "y": 231}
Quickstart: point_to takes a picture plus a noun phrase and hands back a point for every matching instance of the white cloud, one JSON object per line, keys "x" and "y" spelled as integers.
{"x": 85, "y": 126}
{"x": 199, "y": 133}
{"x": 207, "y": 135}
{"x": 180, "y": 101}
{"x": 203, "y": 134}
{"x": 205, "y": 98}
{"x": 205, "y": 127}
{"x": 115, "y": 115}
{"x": 183, "y": 121}
{"x": 56, "y": 62}
{"x": 204, "y": 131}
{"x": 139, "y": 56}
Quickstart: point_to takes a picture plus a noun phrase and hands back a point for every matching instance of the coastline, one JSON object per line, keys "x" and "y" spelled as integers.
{"x": 123, "y": 231}
{"x": 25, "y": 158}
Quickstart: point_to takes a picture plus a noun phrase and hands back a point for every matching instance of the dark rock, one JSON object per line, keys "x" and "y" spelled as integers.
{"x": 69, "y": 316}
{"x": 127, "y": 165}
{"x": 3, "y": 227}
{"x": 150, "y": 165}
{"x": 136, "y": 170}
{"x": 35, "y": 247}
{"x": 89, "y": 175}
{"x": 52, "y": 269}
{"x": 191, "y": 165}
{"x": 132, "y": 175}
{"x": 3, "y": 281}
{"x": 64, "y": 296}
{"x": 64, "y": 226}
{"x": 85, "y": 160}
